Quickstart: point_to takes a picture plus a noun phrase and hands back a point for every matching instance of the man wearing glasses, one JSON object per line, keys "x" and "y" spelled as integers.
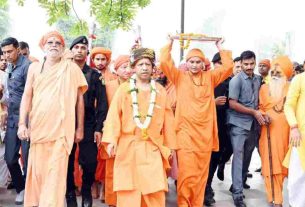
{"x": 244, "y": 120}
{"x": 17, "y": 73}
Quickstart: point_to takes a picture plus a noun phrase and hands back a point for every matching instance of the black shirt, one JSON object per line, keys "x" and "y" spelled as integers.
{"x": 95, "y": 99}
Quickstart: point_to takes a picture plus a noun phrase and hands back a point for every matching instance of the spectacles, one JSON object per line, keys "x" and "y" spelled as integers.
{"x": 57, "y": 43}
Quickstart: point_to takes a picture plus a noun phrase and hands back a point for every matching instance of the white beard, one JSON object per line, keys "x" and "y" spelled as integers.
{"x": 276, "y": 87}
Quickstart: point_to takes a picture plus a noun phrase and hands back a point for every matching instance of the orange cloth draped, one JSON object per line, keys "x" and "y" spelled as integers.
{"x": 278, "y": 181}
{"x": 135, "y": 199}
{"x": 33, "y": 59}
{"x": 108, "y": 75}
{"x": 102, "y": 154}
{"x": 195, "y": 179}
{"x": 78, "y": 172}
{"x": 171, "y": 95}
{"x": 140, "y": 164}
{"x": 279, "y": 135}
{"x": 54, "y": 92}
{"x": 195, "y": 120}
{"x": 110, "y": 195}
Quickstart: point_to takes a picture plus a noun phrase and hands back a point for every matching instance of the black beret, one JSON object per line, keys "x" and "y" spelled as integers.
{"x": 216, "y": 58}
{"x": 79, "y": 40}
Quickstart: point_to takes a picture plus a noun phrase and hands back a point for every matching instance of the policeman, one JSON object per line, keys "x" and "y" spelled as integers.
{"x": 96, "y": 107}
{"x": 17, "y": 74}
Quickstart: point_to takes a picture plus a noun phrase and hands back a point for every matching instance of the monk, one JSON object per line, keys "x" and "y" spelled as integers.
{"x": 263, "y": 69}
{"x": 272, "y": 97}
{"x": 195, "y": 119}
{"x": 121, "y": 66}
{"x": 53, "y": 94}
{"x": 139, "y": 132}
{"x": 100, "y": 59}
{"x": 295, "y": 158}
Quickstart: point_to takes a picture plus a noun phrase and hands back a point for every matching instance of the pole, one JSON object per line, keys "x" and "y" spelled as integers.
{"x": 270, "y": 162}
{"x": 182, "y": 26}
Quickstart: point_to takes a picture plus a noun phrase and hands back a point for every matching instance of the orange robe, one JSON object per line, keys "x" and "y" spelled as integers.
{"x": 33, "y": 59}
{"x": 107, "y": 76}
{"x": 140, "y": 165}
{"x": 171, "y": 95}
{"x": 110, "y": 195}
{"x": 279, "y": 135}
{"x": 195, "y": 123}
{"x": 54, "y": 92}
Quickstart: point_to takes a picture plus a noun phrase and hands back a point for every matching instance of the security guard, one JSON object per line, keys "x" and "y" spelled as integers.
{"x": 95, "y": 113}
{"x": 17, "y": 74}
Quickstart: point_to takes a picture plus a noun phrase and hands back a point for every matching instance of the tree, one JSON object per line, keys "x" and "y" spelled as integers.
{"x": 112, "y": 14}
{"x": 4, "y": 19}
{"x": 69, "y": 29}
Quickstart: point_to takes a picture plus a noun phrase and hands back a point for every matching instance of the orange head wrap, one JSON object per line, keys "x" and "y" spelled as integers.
{"x": 120, "y": 61}
{"x": 100, "y": 50}
{"x": 195, "y": 53}
{"x": 286, "y": 65}
{"x": 45, "y": 37}
{"x": 265, "y": 62}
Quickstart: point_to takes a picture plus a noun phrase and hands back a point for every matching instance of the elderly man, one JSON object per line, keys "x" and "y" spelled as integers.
{"x": 272, "y": 98}
{"x": 53, "y": 94}
{"x": 195, "y": 119}
{"x": 95, "y": 114}
{"x": 139, "y": 132}
{"x": 17, "y": 75}
{"x": 295, "y": 159}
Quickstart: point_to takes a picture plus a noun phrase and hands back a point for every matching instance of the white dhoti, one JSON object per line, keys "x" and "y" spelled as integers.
{"x": 296, "y": 181}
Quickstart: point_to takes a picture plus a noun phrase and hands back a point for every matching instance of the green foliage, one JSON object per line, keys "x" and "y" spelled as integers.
{"x": 3, "y": 4}
{"x": 4, "y": 19}
{"x": 72, "y": 28}
{"x": 112, "y": 14}
{"x": 116, "y": 13}
{"x": 55, "y": 9}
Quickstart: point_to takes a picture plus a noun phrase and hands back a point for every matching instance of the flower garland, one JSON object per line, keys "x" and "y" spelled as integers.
{"x": 135, "y": 105}
{"x": 188, "y": 37}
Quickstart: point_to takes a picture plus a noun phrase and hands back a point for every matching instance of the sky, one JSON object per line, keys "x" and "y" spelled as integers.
{"x": 244, "y": 23}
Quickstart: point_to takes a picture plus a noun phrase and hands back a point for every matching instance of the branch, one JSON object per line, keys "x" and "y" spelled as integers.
{"x": 76, "y": 13}
{"x": 110, "y": 7}
{"x": 54, "y": 4}
{"x": 66, "y": 8}
{"x": 121, "y": 7}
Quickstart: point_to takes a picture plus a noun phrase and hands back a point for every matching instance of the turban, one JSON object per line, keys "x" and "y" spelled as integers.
{"x": 286, "y": 65}
{"x": 195, "y": 53}
{"x": 79, "y": 40}
{"x": 120, "y": 61}
{"x": 265, "y": 62}
{"x": 45, "y": 37}
{"x": 101, "y": 50}
{"x": 141, "y": 53}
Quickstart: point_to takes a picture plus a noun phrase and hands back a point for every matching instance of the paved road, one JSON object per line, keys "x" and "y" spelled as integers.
{"x": 255, "y": 197}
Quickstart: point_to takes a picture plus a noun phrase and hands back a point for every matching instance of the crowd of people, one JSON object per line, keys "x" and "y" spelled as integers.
{"x": 115, "y": 130}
